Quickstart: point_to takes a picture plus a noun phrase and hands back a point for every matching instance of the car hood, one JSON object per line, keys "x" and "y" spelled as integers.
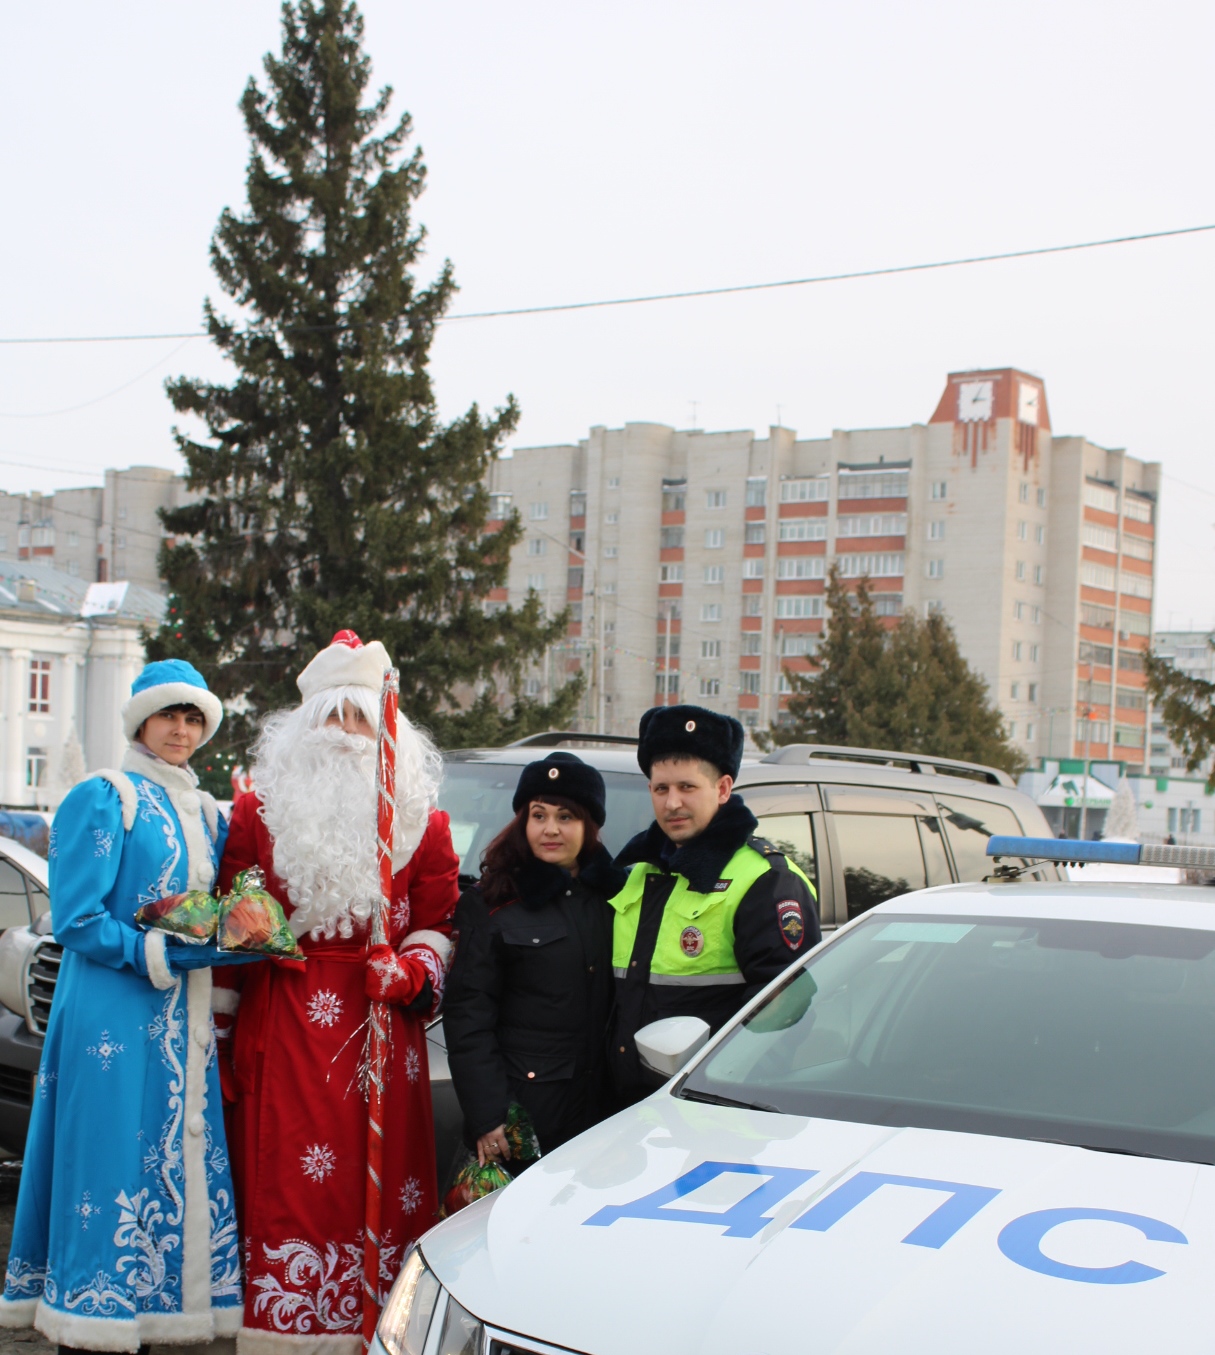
{"x": 863, "y": 1239}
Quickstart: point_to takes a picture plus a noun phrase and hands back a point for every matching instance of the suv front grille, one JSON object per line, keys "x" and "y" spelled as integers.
{"x": 16, "y": 1084}
{"x": 40, "y": 983}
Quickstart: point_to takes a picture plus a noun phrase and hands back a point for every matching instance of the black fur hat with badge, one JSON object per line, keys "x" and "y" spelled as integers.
{"x": 565, "y": 775}
{"x": 690, "y": 731}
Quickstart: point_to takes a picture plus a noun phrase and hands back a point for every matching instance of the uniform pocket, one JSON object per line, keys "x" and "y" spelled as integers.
{"x": 533, "y": 935}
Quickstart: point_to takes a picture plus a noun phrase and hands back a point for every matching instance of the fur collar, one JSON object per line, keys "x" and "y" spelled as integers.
{"x": 194, "y": 807}
{"x": 702, "y": 860}
{"x": 540, "y": 882}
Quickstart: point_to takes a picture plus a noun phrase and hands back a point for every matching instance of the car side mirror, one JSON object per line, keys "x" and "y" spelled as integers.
{"x": 666, "y": 1045}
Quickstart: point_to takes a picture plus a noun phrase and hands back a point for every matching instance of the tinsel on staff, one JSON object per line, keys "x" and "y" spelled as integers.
{"x": 378, "y": 1026}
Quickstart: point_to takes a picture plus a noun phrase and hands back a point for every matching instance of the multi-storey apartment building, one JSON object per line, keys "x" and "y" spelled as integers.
{"x": 1193, "y": 653}
{"x": 694, "y": 564}
{"x": 104, "y": 532}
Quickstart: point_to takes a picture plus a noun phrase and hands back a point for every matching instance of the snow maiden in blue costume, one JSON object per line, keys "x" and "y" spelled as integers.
{"x": 125, "y": 1231}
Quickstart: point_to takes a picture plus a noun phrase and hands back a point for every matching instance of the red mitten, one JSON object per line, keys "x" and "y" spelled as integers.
{"x": 391, "y": 977}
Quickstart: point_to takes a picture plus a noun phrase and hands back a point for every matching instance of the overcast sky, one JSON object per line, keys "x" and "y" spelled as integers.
{"x": 582, "y": 150}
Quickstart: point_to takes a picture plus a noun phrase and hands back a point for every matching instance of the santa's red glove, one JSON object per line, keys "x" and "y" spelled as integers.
{"x": 412, "y": 977}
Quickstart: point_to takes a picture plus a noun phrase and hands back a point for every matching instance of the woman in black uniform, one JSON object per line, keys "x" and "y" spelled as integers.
{"x": 530, "y": 989}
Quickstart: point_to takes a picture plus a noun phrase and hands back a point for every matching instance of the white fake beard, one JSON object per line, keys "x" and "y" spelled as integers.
{"x": 318, "y": 793}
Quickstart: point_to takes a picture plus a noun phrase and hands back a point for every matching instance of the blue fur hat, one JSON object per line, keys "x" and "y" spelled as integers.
{"x": 171, "y": 682}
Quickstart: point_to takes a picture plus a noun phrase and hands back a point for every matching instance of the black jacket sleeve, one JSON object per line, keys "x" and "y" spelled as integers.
{"x": 470, "y": 1018}
{"x": 776, "y": 922}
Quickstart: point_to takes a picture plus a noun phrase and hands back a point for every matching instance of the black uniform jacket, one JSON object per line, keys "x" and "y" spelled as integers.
{"x": 760, "y": 948}
{"x": 529, "y": 999}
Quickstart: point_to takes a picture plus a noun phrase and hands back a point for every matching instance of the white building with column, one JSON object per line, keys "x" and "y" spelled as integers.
{"x": 68, "y": 654}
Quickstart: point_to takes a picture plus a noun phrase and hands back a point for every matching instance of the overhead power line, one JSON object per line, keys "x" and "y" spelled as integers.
{"x": 647, "y": 298}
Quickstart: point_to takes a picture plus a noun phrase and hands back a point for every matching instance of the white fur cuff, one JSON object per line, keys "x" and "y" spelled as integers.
{"x": 225, "y": 1000}
{"x": 439, "y": 943}
{"x": 154, "y": 958}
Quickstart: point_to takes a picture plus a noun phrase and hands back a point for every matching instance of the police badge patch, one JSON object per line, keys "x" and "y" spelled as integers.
{"x": 791, "y": 923}
{"x": 691, "y": 941}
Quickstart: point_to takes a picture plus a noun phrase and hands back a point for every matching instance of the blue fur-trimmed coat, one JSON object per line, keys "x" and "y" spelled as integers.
{"x": 126, "y": 1231}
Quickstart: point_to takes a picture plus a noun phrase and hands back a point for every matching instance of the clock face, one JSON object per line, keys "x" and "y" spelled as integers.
{"x": 1027, "y": 403}
{"x": 974, "y": 401}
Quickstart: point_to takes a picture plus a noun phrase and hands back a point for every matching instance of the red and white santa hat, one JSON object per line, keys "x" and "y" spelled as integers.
{"x": 347, "y": 662}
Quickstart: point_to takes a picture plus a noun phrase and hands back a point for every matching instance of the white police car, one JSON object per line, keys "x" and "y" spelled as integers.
{"x": 979, "y": 1118}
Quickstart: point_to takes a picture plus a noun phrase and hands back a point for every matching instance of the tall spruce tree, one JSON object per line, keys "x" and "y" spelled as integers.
{"x": 330, "y": 493}
{"x": 907, "y": 688}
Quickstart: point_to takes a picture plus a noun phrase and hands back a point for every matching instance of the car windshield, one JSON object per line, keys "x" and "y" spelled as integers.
{"x": 1092, "y": 1033}
{"x": 477, "y": 795}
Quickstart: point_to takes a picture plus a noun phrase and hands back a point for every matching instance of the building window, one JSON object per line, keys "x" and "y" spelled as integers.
{"x": 573, "y": 578}
{"x": 672, "y": 500}
{"x": 1040, "y": 534}
{"x": 710, "y": 611}
{"x": 815, "y": 489}
{"x": 876, "y": 524}
{"x": 756, "y": 533}
{"x": 121, "y": 542}
{"x": 537, "y": 511}
{"x": 798, "y": 608}
{"x": 672, "y": 573}
{"x": 73, "y": 538}
{"x": 611, "y": 552}
{"x": 752, "y": 642}
{"x": 1014, "y": 692}
{"x": 74, "y": 568}
{"x": 1033, "y": 653}
{"x": 710, "y": 649}
{"x": 577, "y": 503}
{"x": 35, "y": 767}
{"x": 1012, "y": 729}
{"x": 1039, "y": 574}
{"x": 1138, "y": 510}
{"x": 748, "y": 683}
{"x": 578, "y": 542}
{"x": 936, "y": 531}
{"x": 803, "y": 529}
{"x": 499, "y": 506}
{"x": 40, "y": 687}
{"x": 537, "y": 545}
{"x": 1041, "y": 498}
{"x": 753, "y": 569}
{"x": 614, "y": 482}
{"x": 537, "y": 581}
{"x": 1035, "y": 615}
{"x": 801, "y": 567}
{"x": 1136, "y": 547}
{"x": 715, "y": 498}
{"x": 1018, "y": 611}
{"x": 710, "y": 686}
{"x": 715, "y": 538}
{"x": 1016, "y": 650}
{"x": 671, "y": 538}
{"x": 1131, "y": 736}
{"x": 935, "y": 569}
{"x": 1029, "y": 731}
{"x": 122, "y": 514}
{"x": 668, "y": 684}
{"x": 1135, "y": 585}
{"x": 1020, "y": 569}
{"x": 575, "y": 613}
{"x": 533, "y": 686}
{"x": 1033, "y": 693}
{"x": 1023, "y": 492}
{"x": 608, "y": 589}
{"x": 797, "y": 646}
{"x": 883, "y": 484}
{"x": 1100, "y": 538}
{"x": 611, "y": 518}
{"x": 1022, "y": 531}
{"x": 876, "y": 566}
{"x": 714, "y": 573}
{"x": 757, "y": 491}
{"x": 753, "y": 604}
{"x": 938, "y": 489}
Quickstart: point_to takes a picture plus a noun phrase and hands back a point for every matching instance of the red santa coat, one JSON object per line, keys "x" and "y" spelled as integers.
{"x": 297, "y": 1129}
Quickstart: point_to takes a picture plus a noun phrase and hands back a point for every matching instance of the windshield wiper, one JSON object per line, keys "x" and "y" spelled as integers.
{"x": 712, "y": 1099}
{"x": 1121, "y": 1152}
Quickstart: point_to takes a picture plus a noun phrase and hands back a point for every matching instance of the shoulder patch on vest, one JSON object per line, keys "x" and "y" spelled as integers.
{"x": 721, "y": 886}
{"x": 791, "y": 923}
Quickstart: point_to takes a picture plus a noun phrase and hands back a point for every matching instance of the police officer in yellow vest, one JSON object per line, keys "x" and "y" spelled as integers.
{"x": 710, "y": 912}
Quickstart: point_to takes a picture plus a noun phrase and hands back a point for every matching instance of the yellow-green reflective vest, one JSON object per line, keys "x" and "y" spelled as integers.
{"x": 696, "y": 936}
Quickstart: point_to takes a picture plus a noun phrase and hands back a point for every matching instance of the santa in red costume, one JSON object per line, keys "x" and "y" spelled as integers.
{"x": 295, "y": 1032}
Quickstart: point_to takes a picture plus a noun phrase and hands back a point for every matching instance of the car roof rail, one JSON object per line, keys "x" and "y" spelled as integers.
{"x": 797, "y": 753}
{"x": 554, "y": 738}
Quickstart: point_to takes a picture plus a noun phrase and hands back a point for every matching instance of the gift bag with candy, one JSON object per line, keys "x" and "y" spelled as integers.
{"x": 251, "y": 919}
{"x": 191, "y": 917}
{"x": 471, "y": 1180}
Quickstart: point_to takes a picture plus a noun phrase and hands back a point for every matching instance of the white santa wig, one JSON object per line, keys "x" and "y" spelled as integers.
{"x": 316, "y": 784}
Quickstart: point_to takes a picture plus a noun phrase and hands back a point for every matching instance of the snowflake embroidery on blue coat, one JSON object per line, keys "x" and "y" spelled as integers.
{"x": 52, "y": 850}
{"x": 86, "y": 1209}
{"x": 106, "y": 1050}
{"x": 44, "y": 1081}
{"x": 104, "y": 841}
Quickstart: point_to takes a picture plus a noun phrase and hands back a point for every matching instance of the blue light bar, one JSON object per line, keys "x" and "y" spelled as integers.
{"x": 1105, "y": 853}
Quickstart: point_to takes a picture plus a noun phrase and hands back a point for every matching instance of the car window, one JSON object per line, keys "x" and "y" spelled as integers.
{"x": 792, "y": 834}
{"x": 477, "y": 795}
{"x": 1084, "y": 1032}
{"x": 40, "y": 900}
{"x": 933, "y": 845}
{"x": 881, "y": 856}
{"x": 14, "y": 909}
{"x": 968, "y": 825}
